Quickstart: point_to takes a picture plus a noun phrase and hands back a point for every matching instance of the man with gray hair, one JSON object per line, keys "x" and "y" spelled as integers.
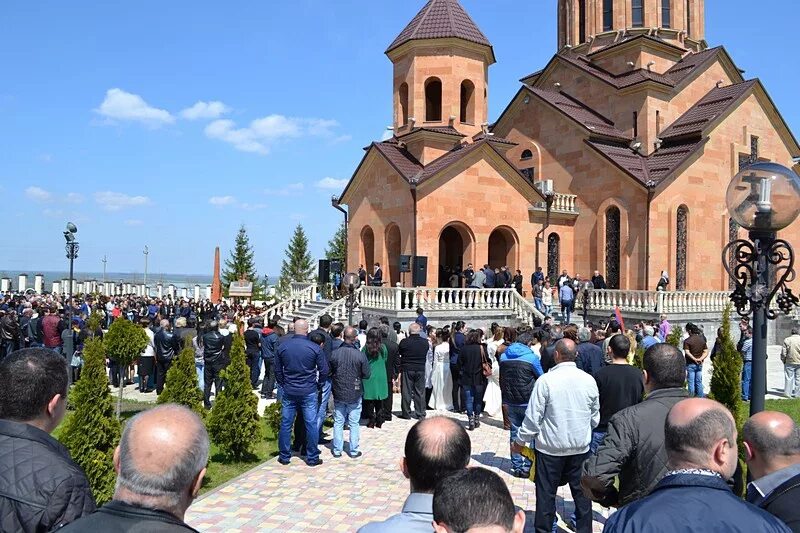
{"x": 649, "y": 338}
{"x": 772, "y": 451}
{"x": 160, "y": 464}
{"x": 590, "y": 356}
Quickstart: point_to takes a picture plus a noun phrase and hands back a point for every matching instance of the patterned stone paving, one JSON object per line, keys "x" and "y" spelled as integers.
{"x": 343, "y": 494}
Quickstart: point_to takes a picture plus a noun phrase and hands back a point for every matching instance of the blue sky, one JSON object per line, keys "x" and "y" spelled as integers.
{"x": 168, "y": 124}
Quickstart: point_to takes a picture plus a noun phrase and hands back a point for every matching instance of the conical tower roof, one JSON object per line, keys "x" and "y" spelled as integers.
{"x": 441, "y": 19}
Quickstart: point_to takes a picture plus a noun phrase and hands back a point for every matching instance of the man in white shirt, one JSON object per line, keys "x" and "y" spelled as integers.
{"x": 563, "y": 409}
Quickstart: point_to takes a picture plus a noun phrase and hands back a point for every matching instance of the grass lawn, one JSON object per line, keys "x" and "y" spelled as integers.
{"x": 220, "y": 469}
{"x": 790, "y": 407}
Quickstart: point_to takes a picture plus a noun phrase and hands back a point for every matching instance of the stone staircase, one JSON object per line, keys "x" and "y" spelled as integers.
{"x": 308, "y": 310}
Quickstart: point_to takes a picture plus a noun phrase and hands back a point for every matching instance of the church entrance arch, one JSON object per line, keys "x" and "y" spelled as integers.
{"x": 393, "y": 250}
{"x": 503, "y": 248}
{"x": 367, "y": 255}
{"x": 456, "y": 250}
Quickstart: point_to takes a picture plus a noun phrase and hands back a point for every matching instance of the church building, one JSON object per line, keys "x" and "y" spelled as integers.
{"x": 616, "y": 156}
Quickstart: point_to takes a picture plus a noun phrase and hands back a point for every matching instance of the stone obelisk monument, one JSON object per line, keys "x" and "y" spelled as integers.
{"x": 216, "y": 285}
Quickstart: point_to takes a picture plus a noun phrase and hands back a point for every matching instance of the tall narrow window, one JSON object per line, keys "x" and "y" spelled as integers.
{"x": 582, "y": 21}
{"x": 681, "y": 233}
{"x": 467, "y": 102}
{"x": 612, "y": 247}
{"x": 666, "y": 14}
{"x": 635, "y": 124}
{"x": 402, "y": 97}
{"x": 689, "y": 18}
{"x": 433, "y": 100}
{"x": 608, "y": 15}
{"x": 553, "y": 256}
{"x": 637, "y": 13}
{"x": 658, "y": 122}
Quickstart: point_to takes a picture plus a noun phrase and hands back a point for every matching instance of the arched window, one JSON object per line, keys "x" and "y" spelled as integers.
{"x": 553, "y": 256}
{"x": 612, "y": 247}
{"x": 689, "y": 18}
{"x": 433, "y": 100}
{"x": 526, "y": 154}
{"x": 637, "y": 13}
{"x": 681, "y": 235}
{"x": 402, "y": 97}
{"x": 608, "y": 15}
{"x": 467, "y": 102}
{"x": 582, "y": 21}
{"x": 666, "y": 14}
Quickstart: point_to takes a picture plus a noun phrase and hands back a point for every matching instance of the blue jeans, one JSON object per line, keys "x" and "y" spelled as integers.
{"x": 474, "y": 397}
{"x": 290, "y": 405}
{"x": 695, "y": 378}
{"x": 566, "y": 310}
{"x": 747, "y": 377}
{"x": 200, "y": 369}
{"x": 322, "y": 409}
{"x": 537, "y": 303}
{"x": 516, "y": 415}
{"x": 597, "y": 440}
{"x": 352, "y": 413}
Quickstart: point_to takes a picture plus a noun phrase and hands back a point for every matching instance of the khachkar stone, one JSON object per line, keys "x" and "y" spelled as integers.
{"x": 216, "y": 285}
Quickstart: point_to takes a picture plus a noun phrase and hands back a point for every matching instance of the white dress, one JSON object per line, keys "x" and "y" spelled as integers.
{"x": 442, "y": 397}
{"x": 493, "y": 398}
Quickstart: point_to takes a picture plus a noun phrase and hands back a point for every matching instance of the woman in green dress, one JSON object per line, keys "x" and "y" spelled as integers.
{"x": 376, "y": 388}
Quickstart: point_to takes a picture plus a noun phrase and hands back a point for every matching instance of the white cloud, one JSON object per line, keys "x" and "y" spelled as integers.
{"x": 290, "y": 189}
{"x": 332, "y": 183}
{"x": 125, "y": 106}
{"x": 262, "y": 132}
{"x": 206, "y": 110}
{"x": 220, "y": 201}
{"x": 74, "y": 198}
{"x": 114, "y": 201}
{"x": 252, "y": 207}
{"x": 37, "y": 194}
{"x": 133, "y": 222}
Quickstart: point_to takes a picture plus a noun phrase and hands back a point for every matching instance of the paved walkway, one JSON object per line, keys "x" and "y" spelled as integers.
{"x": 343, "y": 494}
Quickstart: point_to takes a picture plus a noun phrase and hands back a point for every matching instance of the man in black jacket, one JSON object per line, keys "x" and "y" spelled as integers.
{"x": 392, "y": 368}
{"x": 634, "y": 447}
{"x": 413, "y": 357}
{"x": 349, "y": 366}
{"x": 160, "y": 464}
{"x": 772, "y": 449}
{"x": 215, "y": 349}
{"x": 41, "y": 488}
{"x": 168, "y": 346}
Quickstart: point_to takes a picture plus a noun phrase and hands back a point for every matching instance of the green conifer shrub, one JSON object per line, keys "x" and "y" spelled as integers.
{"x": 181, "y": 386}
{"x": 234, "y": 424}
{"x": 638, "y": 358}
{"x": 92, "y": 432}
{"x": 675, "y": 337}
{"x": 273, "y": 416}
{"x": 124, "y": 342}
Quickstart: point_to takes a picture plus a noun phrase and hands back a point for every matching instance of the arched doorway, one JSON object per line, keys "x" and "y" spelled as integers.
{"x": 503, "y": 248}
{"x": 393, "y": 250}
{"x": 456, "y": 248}
{"x": 367, "y": 255}
{"x": 612, "y": 247}
{"x": 681, "y": 233}
{"x": 553, "y": 256}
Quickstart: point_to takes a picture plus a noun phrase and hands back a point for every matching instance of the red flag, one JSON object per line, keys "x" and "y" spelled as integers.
{"x": 618, "y": 314}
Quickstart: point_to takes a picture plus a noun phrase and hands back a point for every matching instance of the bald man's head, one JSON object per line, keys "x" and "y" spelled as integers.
{"x": 701, "y": 433}
{"x": 350, "y": 334}
{"x": 435, "y": 448}
{"x": 301, "y": 327}
{"x": 772, "y": 442}
{"x": 414, "y": 329}
{"x": 162, "y": 453}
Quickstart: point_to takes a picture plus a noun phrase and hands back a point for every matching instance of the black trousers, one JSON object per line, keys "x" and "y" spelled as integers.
{"x": 145, "y": 371}
{"x": 459, "y": 398}
{"x": 255, "y": 370}
{"x": 211, "y": 375}
{"x": 551, "y": 473}
{"x": 387, "y": 403}
{"x": 113, "y": 371}
{"x": 413, "y": 388}
{"x": 373, "y": 411}
{"x": 268, "y": 384}
{"x": 162, "y": 365}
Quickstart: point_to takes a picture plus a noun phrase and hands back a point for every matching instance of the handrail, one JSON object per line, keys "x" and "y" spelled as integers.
{"x": 659, "y": 302}
{"x": 525, "y": 310}
{"x": 337, "y": 309}
{"x": 294, "y": 302}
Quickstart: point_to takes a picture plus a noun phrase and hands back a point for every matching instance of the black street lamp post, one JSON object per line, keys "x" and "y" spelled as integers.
{"x": 72, "y": 254}
{"x": 763, "y": 198}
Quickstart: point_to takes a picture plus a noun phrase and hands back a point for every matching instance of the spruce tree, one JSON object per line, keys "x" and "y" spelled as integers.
{"x": 241, "y": 265}
{"x": 234, "y": 424}
{"x": 92, "y": 432}
{"x": 675, "y": 337}
{"x": 337, "y": 246}
{"x": 298, "y": 265}
{"x": 181, "y": 385}
{"x": 124, "y": 342}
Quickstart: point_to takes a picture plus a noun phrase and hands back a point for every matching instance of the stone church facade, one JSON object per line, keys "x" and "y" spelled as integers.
{"x": 635, "y": 125}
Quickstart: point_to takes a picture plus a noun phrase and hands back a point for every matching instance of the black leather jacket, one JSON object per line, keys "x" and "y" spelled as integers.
{"x": 9, "y": 328}
{"x": 41, "y": 488}
{"x": 215, "y": 347}
{"x": 167, "y": 345}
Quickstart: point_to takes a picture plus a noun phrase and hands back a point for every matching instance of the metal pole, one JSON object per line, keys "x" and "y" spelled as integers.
{"x": 105, "y": 260}
{"x": 71, "y": 255}
{"x": 763, "y": 242}
{"x": 146, "y": 253}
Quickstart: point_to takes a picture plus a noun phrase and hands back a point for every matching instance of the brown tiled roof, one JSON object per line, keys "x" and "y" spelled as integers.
{"x": 593, "y": 121}
{"x": 493, "y": 138}
{"x": 655, "y": 167}
{"x": 402, "y": 161}
{"x": 446, "y": 130}
{"x": 441, "y": 19}
{"x": 683, "y": 68}
{"x": 704, "y": 112}
{"x": 635, "y": 37}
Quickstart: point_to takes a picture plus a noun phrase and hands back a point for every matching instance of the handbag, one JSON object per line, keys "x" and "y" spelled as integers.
{"x": 486, "y": 366}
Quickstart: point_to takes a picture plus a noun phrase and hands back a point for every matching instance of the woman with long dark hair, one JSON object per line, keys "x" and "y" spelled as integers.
{"x": 376, "y": 388}
{"x": 470, "y": 361}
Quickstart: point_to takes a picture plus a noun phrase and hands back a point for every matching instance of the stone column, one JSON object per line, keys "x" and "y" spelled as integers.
{"x": 5, "y": 284}
{"x": 184, "y": 292}
{"x": 216, "y": 285}
{"x": 171, "y": 291}
{"x": 56, "y": 287}
{"x": 22, "y": 282}
{"x": 208, "y": 292}
{"x": 160, "y": 290}
{"x": 38, "y": 283}
{"x": 196, "y": 292}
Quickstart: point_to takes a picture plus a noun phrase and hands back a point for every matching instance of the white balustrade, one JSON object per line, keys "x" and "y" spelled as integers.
{"x": 337, "y": 310}
{"x": 296, "y": 300}
{"x": 564, "y": 202}
{"x": 446, "y": 299}
{"x": 667, "y": 302}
